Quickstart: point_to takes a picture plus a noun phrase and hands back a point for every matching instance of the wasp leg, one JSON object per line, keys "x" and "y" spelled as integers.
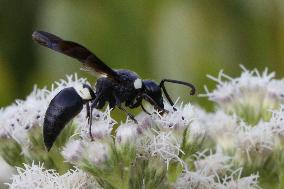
{"x": 88, "y": 111}
{"x": 138, "y": 102}
{"x": 90, "y": 118}
{"x": 135, "y": 103}
{"x": 144, "y": 109}
{"x": 94, "y": 105}
{"x": 152, "y": 101}
{"x": 129, "y": 114}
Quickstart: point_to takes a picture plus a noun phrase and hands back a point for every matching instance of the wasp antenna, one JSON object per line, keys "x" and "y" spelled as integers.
{"x": 162, "y": 85}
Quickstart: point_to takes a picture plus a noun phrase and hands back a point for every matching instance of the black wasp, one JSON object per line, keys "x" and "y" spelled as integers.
{"x": 116, "y": 87}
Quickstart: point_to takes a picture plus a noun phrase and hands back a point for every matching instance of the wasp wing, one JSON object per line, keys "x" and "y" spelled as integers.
{"x": 90, "y": 61}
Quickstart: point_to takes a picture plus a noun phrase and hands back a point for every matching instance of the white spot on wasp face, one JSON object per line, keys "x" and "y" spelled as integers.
{"x": 84, "y": 93}
{"x": 138, "y": 84}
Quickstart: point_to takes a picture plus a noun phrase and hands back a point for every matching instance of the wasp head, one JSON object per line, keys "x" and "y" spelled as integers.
{"x": 153, "y": 90}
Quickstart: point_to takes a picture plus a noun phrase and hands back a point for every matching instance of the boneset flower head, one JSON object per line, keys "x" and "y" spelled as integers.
{"x": 24, "y": 114}
{"x": 126, "y": 133}
{"x": 166, "y": 146}
{"x": 102, "y": 124}
{"x": 185, "y": 147}
{"x": 250, "y": 96}
{"x": 213, "y": 164}
{"x": 221, "y": 128}
{"x": 254, "y": 144}
{"x": 190, "y": 179}
{"x": 73, "y": 151}
{"x": 178, "y": 118}
{"x": 277, "y": 122}
{"x": 36, "y": 176}
{"x": 235, "y": 180}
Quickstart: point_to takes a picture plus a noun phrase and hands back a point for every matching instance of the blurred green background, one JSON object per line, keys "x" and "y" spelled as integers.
{"x": 182, "y": 39}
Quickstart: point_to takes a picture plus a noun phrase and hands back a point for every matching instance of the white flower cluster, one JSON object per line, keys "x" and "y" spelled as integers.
{"x": 79, "y": 150}
{"x": 127, "y": 133}
{"x": 23, "y": 115}
{"x": 177, "y": 119}
{"x": 96, "y": 150}
{"x": 153, "y": 136}
{"x": 194, "y": 179}
{"x": 277, "y": 122}
{"x": 245, "y": 143}
{"x": 71, "y": 81}
{"x": 253, "y": 144}
{"x": 102, "y": 124}
{"x": 37, "y": 177}
{"x": 215, "y": 171}
{"x": 236, "y": 181}
{"x": 219, "y": 127}
{"x": 166, "y": 146}
{"x": 198, "y": 180}
{"x": 250, "y": 96}
{"x": 213, "y": 164}
{"x": 177, "y": 140}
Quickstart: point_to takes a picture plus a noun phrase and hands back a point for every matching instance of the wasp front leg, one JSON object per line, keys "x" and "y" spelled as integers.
{"x": 128, "y": 113}
{"x": 136, "y": 103}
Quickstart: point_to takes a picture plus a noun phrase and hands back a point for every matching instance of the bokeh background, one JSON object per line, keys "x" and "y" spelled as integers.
{"x": 182, "y": 39}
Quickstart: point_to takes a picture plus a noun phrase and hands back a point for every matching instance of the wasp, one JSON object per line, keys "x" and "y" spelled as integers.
{"x": 119, "y": 88}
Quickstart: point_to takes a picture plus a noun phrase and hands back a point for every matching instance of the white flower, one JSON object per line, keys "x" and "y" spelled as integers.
{"x": 275, "y": 88}
{"x": 8, "y": 120}
{"x": 73, "y": 151}
{"x": 166, "y": 146}
{"x": 212, "y": 164}
{"x": 37, "y": 177}
{"x": 102, "y": 124}
{"x": 231, "y": 88}
{"x": 222, "y": 128}
{"x": 178, "y": 119}
{"x": 71, "y": 81}
{"x": 126, "y": 133}
{"x": 6, "y": 171}
{"x": 32, "y": 110}
{"x": 235, "y": 181}
{"x": 277, "y": 122}
{"x": 198, "y": 130}
{"x": 197, "y": 179}
{"x": 249, "y": 96}
{"x": 190, "y": 180}
{"x": 96, "y": 152}
{"x": 17, "y": 119}
{"x": 254, "y": 144}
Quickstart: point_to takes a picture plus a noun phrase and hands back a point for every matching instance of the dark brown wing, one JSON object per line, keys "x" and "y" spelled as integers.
{"x": 74, "y": 50}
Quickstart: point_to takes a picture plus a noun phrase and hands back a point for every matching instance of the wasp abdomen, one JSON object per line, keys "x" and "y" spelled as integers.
{"x": 62, "y": 108}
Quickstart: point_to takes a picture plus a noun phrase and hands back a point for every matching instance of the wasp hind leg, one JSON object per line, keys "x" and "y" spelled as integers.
{"x": 97, "y": 103}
